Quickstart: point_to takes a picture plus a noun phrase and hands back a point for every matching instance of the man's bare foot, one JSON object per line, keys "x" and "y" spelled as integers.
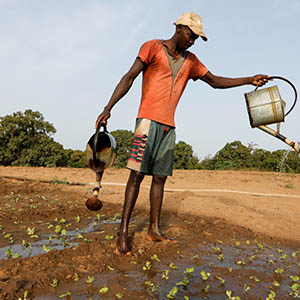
{"x": 157, "y": 236}
{"x": 123, "y": 247}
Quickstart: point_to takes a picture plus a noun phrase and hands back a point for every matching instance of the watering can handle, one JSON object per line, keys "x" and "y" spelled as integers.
{"x": 295, "y": 91}
{"x": 96, "y": 140}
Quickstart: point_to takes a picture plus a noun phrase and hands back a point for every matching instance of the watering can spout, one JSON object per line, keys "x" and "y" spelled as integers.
{"x": 294, "y": 145}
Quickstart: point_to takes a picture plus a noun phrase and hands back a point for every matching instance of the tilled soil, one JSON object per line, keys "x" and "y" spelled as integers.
{"x": 52, "y": 247}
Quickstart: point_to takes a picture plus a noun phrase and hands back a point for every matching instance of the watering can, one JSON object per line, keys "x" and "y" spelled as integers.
{"x": 100, "y": 154}
{"x": 265, "y": 106}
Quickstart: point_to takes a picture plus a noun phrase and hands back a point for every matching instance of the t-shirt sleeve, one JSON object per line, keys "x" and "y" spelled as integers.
{"x": 147, "y": 52}
{"x": 198, "y": 70}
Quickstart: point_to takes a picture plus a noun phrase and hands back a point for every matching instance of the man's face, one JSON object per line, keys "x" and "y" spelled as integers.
{"x": 187, "y": 37}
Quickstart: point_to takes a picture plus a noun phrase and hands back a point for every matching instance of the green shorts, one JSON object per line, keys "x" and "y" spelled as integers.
{"x": 152, "y": 149}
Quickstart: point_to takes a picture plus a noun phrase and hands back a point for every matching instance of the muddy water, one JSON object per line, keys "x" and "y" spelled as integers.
{"x": 248, "y": 269}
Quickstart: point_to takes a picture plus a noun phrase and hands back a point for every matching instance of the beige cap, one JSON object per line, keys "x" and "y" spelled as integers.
{"x": 193, "y": 21}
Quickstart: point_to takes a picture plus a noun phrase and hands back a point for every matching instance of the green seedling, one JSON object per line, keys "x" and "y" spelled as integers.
{"x": 77, "y": 219}
{"x": 54, "y": 283}
{"x": 75, "y": 277}
{"x": 229, "y": 293}
{"x": 31, "y": 232}
{"x": 278, "y": 271}
{"x": 90, "y": 279}
{"x": 185, "y": 282}
{"x": 68, "y": 293}
{"x": 237, "y": 243}
{"x": 109, "y": 237}
{"x": 222, "y": 281}
{"x": 276, "y": 284}
{"x": 294, "y": 278}
{"x": 119, "y": 295}
{"x": 220, "y": 257}
{"x": 172, "y": 266}
{"x": 46, "y": 249}
{"x": 172, "y": 293}
{"x": 165, "y": 275}
{"x": 153, "y": 287}
{"x": 205, "y": 275}
{"x": 25, "y": 296}
{"x": 147, "y": 266}
{"x": 189, "y": 270}
{"x": 155, "y": 257}
{"x": 254, "y": 278}
{"x": 271, "y": 296}
{"x": 205, "y": 289}
{"x": 246, "y": 288}
{"x": 103, "y": 290}
{"x": 108, "y": 267}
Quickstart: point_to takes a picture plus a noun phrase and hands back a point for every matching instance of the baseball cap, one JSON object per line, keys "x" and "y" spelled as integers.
{"x": 193, "y": 21}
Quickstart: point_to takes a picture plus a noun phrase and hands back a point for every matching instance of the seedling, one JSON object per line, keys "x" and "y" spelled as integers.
{"x": 119, "y": 296}
{"x": 68, "y": 293}
{"x": 155, "y": 257}
{"x": 54, "y": 283}
{"x": 189, "y": 270}
{"x": 165, "y": 275}
{"x": 172, "y": 266}
{"x": 271, "y": 296}
{"x": 204, "y": 275}
{"x": 46, "y": 249}
{"x": 229, "y": 293}
{"x": 103, "y": 290}
{"x": 90, "y": 279}
{"x": 147, "y": 266}
{"x": 172, "y": 293}
{"x": 185, "y": 282}
{"x": 75, "y": 277}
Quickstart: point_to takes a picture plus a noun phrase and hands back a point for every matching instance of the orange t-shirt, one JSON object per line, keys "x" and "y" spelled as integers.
{"x": 161, "y": 93}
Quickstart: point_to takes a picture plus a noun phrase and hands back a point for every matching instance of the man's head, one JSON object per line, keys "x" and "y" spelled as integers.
{"x": 193, "y": 22}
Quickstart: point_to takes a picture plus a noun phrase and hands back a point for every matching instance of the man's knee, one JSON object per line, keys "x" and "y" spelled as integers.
{"x": 159, "y": 179}
{"x": 136, "y": 177}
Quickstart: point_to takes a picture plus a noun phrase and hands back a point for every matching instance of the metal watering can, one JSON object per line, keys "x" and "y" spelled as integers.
{"x": 100, "y": 154}
{"x": 265, "y": 106}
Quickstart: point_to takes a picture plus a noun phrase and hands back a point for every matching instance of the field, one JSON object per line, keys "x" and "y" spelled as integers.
{"x": 238, "y": 237}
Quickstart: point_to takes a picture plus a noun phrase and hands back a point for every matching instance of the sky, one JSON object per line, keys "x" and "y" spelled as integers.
{"x": 64, "y": 58}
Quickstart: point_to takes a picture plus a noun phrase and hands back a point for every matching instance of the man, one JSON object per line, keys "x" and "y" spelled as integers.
{"x": 167, "y": 66}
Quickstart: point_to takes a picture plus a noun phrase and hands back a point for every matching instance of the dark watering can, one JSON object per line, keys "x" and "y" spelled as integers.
{"x": 265, "y": 106}
{"x": 100, "y": 154}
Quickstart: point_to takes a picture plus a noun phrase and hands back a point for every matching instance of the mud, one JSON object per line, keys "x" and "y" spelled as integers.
{"x": 52, "y": 247}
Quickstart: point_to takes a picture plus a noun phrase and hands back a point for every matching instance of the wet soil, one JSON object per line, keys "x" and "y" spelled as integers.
{"x": 52, "y": 247}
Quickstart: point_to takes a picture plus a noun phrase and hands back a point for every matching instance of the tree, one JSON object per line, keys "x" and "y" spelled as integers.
{"x": 25, "y": 139}
{"x": 233, "y": 156}
{"x": 184, "y": 158}
{"x": 124, "y": 141}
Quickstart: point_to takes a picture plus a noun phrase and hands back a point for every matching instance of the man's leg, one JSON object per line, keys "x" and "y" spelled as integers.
{"x": 156, "y": 199}
{"x": 131, "y": 194}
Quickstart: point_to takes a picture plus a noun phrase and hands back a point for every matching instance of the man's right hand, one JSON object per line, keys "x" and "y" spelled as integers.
{"x": 102, "y": 118}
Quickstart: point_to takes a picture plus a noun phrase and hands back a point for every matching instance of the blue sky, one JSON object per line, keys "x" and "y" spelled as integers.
{"x": 64, "y": 58}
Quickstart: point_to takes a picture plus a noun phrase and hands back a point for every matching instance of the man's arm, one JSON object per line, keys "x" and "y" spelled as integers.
{"x": 121, "y": 90}
{"x": 219, "y": 82}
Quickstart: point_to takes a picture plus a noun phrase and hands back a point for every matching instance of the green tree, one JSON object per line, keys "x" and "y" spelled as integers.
{"x": 25, "y": 139}
{"x": 124, "y": 142}
{"x": 233, "y": 156}
{"x": 184, "y": 157}
{"x": 76, "y": 158}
